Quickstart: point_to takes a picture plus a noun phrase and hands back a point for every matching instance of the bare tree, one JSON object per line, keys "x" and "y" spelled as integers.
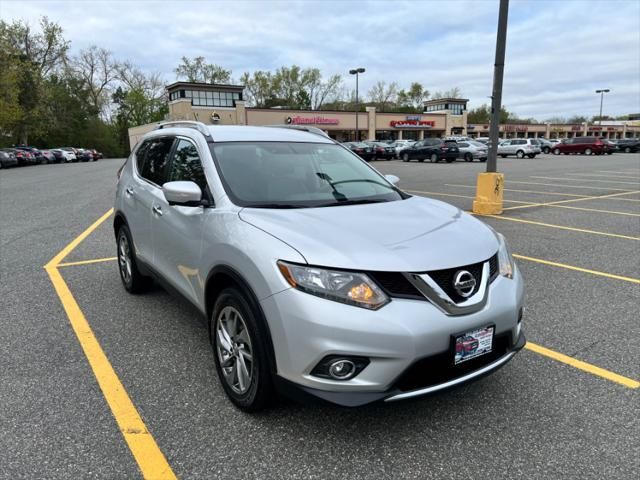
{"x": 97, "y": 69}
{"x": 382, "y": 94}
{"x": 197, "y": 70}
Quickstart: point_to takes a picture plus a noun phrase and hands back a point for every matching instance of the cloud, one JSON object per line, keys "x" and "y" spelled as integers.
{"x": 558, "y": 53}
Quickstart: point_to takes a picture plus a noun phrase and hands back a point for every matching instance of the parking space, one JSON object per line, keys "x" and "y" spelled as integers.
{"x": 568, "y": 403}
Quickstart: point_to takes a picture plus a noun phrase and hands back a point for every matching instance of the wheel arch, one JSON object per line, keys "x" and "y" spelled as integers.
{"x": 118, "y": 221}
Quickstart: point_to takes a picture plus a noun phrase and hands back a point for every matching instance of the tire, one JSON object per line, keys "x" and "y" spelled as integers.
{"x": 520, "y": 154}
{"x": 556, "y": 151}
{"x": 627, "y": 150}
{"x": 434, "y": 158}
{"x": 405, "y": 157}
{"x": 609, "y": 152}
{"x": 132, "y": 280}
{"x": 503, "y": 156}
{"x": 532, "y": 155}
{"x": 483, "y": 160}
{"x": 468, "y": 157}
{"x": 246, "y": 357}
{"x": 587, "y": 151}
{"x": 546, "y": 150}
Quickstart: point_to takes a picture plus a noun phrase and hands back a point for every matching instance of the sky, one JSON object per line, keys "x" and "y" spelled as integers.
{"x": 558, "y": 51}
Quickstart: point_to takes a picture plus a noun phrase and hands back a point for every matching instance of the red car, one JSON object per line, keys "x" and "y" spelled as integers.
{"x": 584, "y": 145}
{"x": 467, "y": 345}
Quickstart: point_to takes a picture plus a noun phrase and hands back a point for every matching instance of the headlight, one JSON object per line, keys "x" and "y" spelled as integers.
{"x": 345, "y": 287}
{"x": 505, "y": 260}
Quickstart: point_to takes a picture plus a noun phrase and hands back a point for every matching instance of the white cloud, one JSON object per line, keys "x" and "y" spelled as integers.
{"x": 558, "y": 53}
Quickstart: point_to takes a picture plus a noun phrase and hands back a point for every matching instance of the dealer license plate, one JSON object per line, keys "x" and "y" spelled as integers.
{"x": 473, "y": 344}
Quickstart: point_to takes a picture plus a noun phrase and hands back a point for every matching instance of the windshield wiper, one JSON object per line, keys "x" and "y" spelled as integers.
{"x": 361, "y": 201}
{"x": 277, "y": 205}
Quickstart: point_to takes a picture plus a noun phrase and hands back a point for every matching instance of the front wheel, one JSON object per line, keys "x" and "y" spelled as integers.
{"x": 433, "y": 158}
{"x": 627, "y": 150}
{"x": 240, "y": 350}
{"x": 556, "y": 151}
{"x": 588, "y": 151}
{"x": 503, "y": 156}
{"x": 546, "y": 150}
{"x": 532, "y": 155}
{"x": 405, "y": 157}
{"x": 132, "y": 279}
{"x": 520, "y": 154}
{"x": 468, "y": 157}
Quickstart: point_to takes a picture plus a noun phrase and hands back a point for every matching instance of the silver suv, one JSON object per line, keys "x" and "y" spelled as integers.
{"x": 520, "y": 147}
{"x": 318, "y": 277}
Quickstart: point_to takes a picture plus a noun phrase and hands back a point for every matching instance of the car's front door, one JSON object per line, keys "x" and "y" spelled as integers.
{"x": 177, "y": 230}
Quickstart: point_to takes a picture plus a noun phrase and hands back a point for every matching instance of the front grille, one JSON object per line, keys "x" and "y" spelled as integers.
{"x": 444, "y": 279}
{"x": 439, "y": 368}
{"x": 396, "y": 285}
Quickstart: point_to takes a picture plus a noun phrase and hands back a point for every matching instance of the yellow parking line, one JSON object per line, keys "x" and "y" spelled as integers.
{"x": 87, "y": 262}
{"x": 595, "y": 197}
{"x": 577, "y": 269}
{"x": 560, "y": 227}
{"x": 569, "y": 186}
{"x": 150, "y": 459}
{"x": 461, "y": 196}
{"x": 564, "y": 194}
{"x": 585, "y": 180}
{"x": 584, "y": 366}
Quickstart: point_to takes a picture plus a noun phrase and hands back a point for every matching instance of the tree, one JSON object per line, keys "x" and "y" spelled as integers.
{"x": 451, "y": 93}
{"x": 197, "y": 70}
{"x": 34, "y": 55}
{"x": 414, "y": 97}
{"x": 482, "y": 114}
{"x": 258, "y": 87}
{"x": 577, "y": 119}
{"x": 383, "y": 95}
{"x": 98, "y": 71}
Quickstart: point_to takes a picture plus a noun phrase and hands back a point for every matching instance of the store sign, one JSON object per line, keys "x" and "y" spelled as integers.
{"x": 515, "y": 128}
{"x": 596, "y": 128}
{"x": 412, "y": 123}
{"x": 576, "y": 128}
{"x": 312, "y": 121}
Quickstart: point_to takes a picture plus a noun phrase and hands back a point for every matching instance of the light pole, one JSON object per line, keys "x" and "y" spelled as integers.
{"x": 602, "y": 92}
{"x": 356, "y": 72}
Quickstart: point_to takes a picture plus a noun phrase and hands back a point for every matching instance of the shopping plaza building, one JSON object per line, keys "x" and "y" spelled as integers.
{"x": 225, "y": 105}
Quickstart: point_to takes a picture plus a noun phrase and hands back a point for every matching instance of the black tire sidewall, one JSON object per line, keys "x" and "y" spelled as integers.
{"x": 138, "y": 283}
{"x": 258, "y": 395}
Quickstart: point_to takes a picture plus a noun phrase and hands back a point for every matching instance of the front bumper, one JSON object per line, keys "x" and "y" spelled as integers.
{"x": 305, "y": 329}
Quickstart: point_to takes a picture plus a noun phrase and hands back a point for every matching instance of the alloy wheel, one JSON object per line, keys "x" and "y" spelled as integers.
{"x": 234, "y": 349}
{"x": 124, "y": 258}
{"x": 587, "y": 151}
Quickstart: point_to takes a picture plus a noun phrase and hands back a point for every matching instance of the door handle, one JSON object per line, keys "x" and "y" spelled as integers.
{"x": 129, "y": 191}
{"x": 157, "y": 210}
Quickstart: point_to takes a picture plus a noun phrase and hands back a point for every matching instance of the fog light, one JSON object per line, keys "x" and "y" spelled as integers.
{"x": 342, "y": 369}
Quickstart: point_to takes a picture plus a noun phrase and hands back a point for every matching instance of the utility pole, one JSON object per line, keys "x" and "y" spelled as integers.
{"x": 356, "y": 72}
{"x": 490, "y": 185}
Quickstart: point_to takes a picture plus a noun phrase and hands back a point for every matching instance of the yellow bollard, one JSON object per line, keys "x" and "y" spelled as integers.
{"x": 489, "y": 193}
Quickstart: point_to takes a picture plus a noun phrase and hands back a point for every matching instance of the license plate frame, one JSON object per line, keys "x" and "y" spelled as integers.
{"x": 472, "y": 344}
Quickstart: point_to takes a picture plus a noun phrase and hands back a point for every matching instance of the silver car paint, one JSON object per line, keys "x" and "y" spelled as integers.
{"x": 184, "y": 244}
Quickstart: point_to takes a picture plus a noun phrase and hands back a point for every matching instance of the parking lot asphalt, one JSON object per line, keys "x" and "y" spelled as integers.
{"x": 556, "y": 413}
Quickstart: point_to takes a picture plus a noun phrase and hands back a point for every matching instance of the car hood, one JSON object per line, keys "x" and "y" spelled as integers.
{"x": 412, "y": 235}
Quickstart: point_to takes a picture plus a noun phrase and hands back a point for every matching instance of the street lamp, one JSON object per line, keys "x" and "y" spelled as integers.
{"x": 602, "y": 92}
{"x": 356, "y": 72}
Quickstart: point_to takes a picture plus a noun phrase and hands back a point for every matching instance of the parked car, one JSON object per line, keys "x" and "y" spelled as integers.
{"x": 382, "y": 150}
{"x": 471, "y": 150}
{"x": 48, "y": 156}
{"x": 545, "y": 145}
{"x": 484, "y": 140}
{"x": 96, "y": 154}
{"x": 23, "y": 157}
{"x": 316, "y": 274}
{"x": 69, "y": 154}
{"x": 83, "y": 155}
{"x": 434, "y": 149}
{"x": 583, "y": 145}
{"x": 628, "y": 145}
{"x": 362, "y": 149}
{"x": 35, "y": 155}
{"x": 8, "y": 158}
{"x": 400, "y": 144}
{"x": 520, "y": 147}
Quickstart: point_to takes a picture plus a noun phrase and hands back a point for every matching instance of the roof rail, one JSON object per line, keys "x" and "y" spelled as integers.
{"x": 305, "y": 128}
{"x": 201, "y": 127}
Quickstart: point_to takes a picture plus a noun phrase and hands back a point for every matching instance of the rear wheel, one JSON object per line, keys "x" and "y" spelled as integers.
{"x": 520, "y": 154}
{"x": 556, "y": 151}
{"x": 240, "y": 349}
{"x": 405, "y": 157}
{"x": 433, "y": 158}
{"x": 627, "y": 150}
{"x": 546, "y": 150}
{"x": 503, "y": 156}
{"x": 132, "y": 279}
{"x": 468, "y": 157}
{"x": 532, "y": 155}
{"x": 587, "y": 151}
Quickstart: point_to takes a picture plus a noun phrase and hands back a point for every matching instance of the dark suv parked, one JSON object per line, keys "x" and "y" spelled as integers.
{"x": 434, "y": 149}
{"x": 584, "y": 145}
{"x": 629, "y": 145}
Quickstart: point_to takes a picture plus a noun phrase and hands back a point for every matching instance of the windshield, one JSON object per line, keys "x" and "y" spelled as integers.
{"x": 298, "y": 175}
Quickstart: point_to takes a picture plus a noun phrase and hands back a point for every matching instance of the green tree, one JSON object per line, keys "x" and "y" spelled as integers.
{"x": 197, "y": 70}
{"x": 482, "y": 114}
{"x": 413, "y": 98}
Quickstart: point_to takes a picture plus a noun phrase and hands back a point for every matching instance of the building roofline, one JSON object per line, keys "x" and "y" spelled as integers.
{"x": 202, "y": 84}
{"x": 446, "y": 99}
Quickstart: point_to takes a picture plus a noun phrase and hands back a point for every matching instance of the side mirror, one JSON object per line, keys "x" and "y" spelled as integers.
{"x": 392, "y": 179}
{"x": 182, "y": 193}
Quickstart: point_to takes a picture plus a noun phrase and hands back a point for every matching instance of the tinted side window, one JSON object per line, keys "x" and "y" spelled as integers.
{"x": 140, "y": 154}
{"x": 157, "y": 160}
{"x": 186, "y": 165}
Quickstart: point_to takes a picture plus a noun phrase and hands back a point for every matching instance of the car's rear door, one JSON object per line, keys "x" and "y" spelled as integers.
{"x": 149, "y": 167}
{"x": 177, "y": 230}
